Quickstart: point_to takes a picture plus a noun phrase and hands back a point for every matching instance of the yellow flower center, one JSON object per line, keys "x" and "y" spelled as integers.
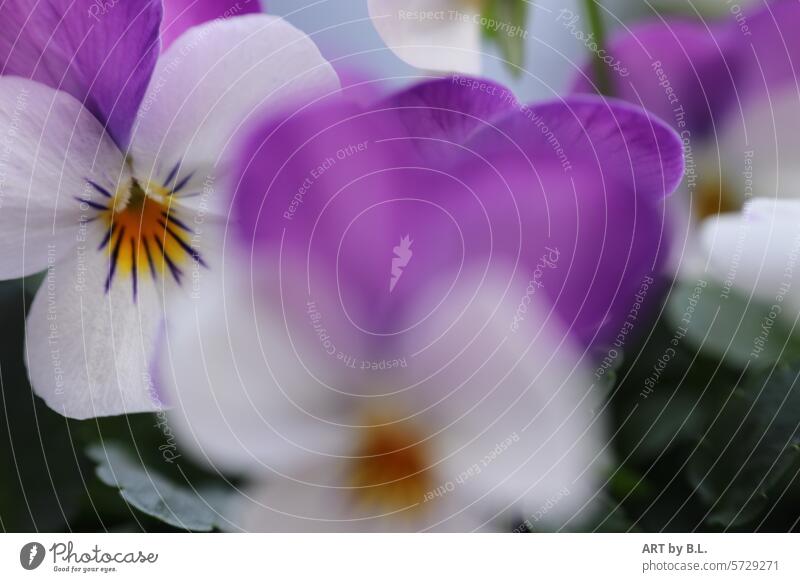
{"x": 143, "y": 234}
{"x": 391, "y": 469}
{"x": 712, "y": 198}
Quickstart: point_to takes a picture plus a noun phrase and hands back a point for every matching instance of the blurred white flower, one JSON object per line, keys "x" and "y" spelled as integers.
{"x": 757, "y": 252}
{"x": 438, "y": 35}
{"x": 751, "y": 157}
{"x": 466, "y": 435}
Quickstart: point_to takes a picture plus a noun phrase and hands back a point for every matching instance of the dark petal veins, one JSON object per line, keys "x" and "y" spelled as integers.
{"x": 107, "y": 238}
{"x": 94, "y": 205}
{"x": 114, "y": 258}
{"x": 172, "y": 173}
{"x": 182, "y": 184}
{"x": 176, "y": 272}
{"x": 184, "y": 245}
{"x": 133, "y": 267}
{"x": 150, "y": 258}
{"x": 100, "y": 189}
{"x": 181, "y": 224}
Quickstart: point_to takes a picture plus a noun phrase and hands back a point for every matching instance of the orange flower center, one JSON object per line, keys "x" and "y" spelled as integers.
{"x": 391, "y": 468}
{"x": 143, "y": 235}
{"x": 712, "y": 198}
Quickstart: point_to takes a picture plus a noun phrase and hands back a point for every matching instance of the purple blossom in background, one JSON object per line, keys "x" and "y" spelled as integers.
{"x": 730, "y": 89}
{"x": 709, "y": 69}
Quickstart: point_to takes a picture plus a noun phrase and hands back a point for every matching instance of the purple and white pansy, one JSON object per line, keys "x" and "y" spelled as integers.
{"x": 399, "y": 337}
{"x": 112, "y": 152}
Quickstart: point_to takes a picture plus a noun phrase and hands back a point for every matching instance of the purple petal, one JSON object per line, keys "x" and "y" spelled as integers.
{"x": 103, "y": 54}
{"x": 622, "y": 139}
{"x": 381, "y": 234}
{"x": 302, "y": 180}
{"x": 180, "y": 15}
{"x": 450, "y": 109}
{"x": 344, "y": 185}
{"x": 679, "y": 70}
{"x": 586, "y": 240}
{"x": 692, "y": 75}
{"x": 766, "y": 49}
{"x": 587, "y": 178}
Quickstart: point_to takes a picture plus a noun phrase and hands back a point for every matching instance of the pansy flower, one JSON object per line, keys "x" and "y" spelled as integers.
{"x": 729, "y": 88}
{"x": 399, "y": 337}
{"x": 108, "y": 171}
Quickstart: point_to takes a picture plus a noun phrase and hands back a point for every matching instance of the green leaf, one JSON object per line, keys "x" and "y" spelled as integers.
{"x": 689, "y": 9}
{"x": 597, "y": 25}
{"x": 153, "y": 494}
{"x": 671, "y": 416}
{"x": 41, "y": 476}
{"x": 730, "y": 327}
{"x": 504, "y": 24}
{"x": 666, "y": 394}
{"x": 626, "y": 482}
{"x": 750, "y": 448}
{"x": 611, "y": 517}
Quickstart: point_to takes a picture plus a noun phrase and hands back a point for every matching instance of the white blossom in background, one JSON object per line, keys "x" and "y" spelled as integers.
{"x": 757, "y": 252}
{"x": 436, "y": 35}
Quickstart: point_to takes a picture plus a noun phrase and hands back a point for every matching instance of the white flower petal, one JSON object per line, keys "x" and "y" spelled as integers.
{"x": 288, "y": 506}
{"x": 88, "y": 351}
{"x": 758, "y": 251}
{"x": 242, "y": 399}
{"x": 209, "y": 81}
{"x": 440, "y": 35}
{"x": 49, "y": 147}
{"x": 519, "y": 411}
{"x": 284, "y": 505}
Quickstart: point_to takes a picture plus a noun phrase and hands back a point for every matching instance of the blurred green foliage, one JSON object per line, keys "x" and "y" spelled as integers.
{"x": 708, "y": 434}
{"x": 505, "y": 25}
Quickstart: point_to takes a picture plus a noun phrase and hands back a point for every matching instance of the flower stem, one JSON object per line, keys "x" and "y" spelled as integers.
{"x": 601, "y": 76}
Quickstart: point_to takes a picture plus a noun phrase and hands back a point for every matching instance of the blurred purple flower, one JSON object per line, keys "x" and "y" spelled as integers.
{"x": 406, "y": 295}
{"x": 478, "y": 176}
{"x": 730, "y": 89}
